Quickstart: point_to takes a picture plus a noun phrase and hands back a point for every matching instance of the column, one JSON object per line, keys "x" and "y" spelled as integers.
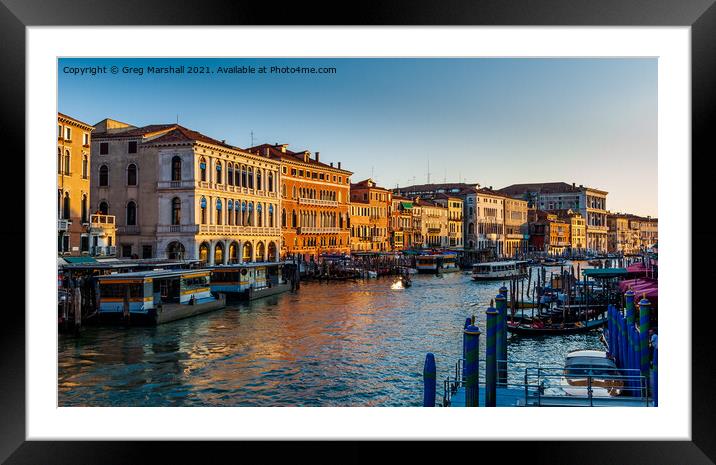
{"x": 211, "y": 253}
{"x": 225, "y": 257}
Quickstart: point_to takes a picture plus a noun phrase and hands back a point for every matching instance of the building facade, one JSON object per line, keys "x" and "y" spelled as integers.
{"x": 79, "y": 232}
{"x": 401, "y": 223}
{"x": 374, "y": 202}
{"x": 177, "y": 193}
{"x": 315, "y": 202}
{"x": 454, "y": 206}
{"x": 516, "y": 227}
{"x": 591, "y": 203}
{"x": 433, "y": 223}
{"x": 549, "y": 233}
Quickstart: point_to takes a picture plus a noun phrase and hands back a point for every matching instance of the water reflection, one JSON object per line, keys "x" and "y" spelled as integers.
{"x": 338, "y": 344}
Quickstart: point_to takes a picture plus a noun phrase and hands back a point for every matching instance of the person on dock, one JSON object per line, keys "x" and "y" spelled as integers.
{"x": 653, "y": 341}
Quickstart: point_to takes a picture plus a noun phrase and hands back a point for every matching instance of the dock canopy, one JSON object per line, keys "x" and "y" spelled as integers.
{"x": 82, "y": 259}
{"x": 604, "y": 273}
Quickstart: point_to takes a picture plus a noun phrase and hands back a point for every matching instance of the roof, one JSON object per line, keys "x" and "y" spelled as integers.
{"x": 182, "y": 134}
{"x": 82, "y": 123}
{"x": 245, "y": 265}
{"x": 153, "y": 274}
{"x": 281, "y": 152}
{"x": 546, "y": 188}
{"x": 82, "y": 259}
{"x": 134, "y": 131}
{"x": 366, "y": 184}
{"x": 406, "y": 205}
{"x": 605, "y": 272}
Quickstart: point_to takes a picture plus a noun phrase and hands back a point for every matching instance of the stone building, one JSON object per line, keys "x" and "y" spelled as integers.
{"x": 315, "y": 201}
{"x": 516, "y": 227}
{"x": 454, "y": 205}
{"x": 433, "y": 223}
{"x": 177, "y": 193}
{"x": 591, "y": 203}
{"x": 401, "y": 223}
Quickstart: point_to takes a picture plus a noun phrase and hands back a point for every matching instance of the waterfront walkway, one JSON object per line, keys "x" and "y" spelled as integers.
{"x": 516, "y": 397}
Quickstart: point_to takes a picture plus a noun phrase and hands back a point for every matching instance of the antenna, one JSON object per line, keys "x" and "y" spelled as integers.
{"x": 252, "y": 138}
{"x": 372, "y": 171}
{"x": 177, "y": 118}
{"x": 428, "y": 170}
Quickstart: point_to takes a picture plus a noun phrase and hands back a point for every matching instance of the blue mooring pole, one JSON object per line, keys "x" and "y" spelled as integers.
{"x": 655, "y": 376}
{"x": 491, "y": 358}
{"x": 429, "y": 381}
{"x": 468, "y": 322}
{"x": 472, "y": 366}
{"x": 501, "y": 337}
{"x": 644, "y": 308}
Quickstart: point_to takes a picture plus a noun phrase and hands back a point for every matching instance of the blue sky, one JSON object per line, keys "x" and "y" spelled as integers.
{"x": 492, "y": 121}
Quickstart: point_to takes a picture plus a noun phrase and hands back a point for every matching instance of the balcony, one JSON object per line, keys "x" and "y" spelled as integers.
{"x": 103, "y": 251}
{"x": 318, "y": 230}
{"x": 131, "y": 229}
{"x": 239, "y": 230}
{"x": 317, "y": 202}
{"x": 175, "y": 184}
{"x": 178, "y": 228}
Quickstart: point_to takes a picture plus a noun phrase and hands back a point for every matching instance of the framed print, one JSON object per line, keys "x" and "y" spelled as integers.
{"x": 303, "y": 227}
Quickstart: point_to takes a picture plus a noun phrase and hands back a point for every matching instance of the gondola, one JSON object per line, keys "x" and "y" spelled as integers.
{"x": 570, "y": 328}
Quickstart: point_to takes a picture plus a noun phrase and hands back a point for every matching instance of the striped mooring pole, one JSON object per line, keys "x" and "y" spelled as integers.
{"x": 472, "y": 366}
{"x": 491, "y": 358}
{"x": 429, "y": 381}
{"x": 655, "y": 376}
{"x": 468, "y": 322}
{"x": 501, "y": 338}
{"x": 644, "y": 308}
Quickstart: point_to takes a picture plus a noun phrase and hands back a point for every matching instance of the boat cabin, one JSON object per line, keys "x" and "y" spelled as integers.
{"x": 499, "y": 270}
{"x": 250, "y": 279}
{"x": 144, "y": 291}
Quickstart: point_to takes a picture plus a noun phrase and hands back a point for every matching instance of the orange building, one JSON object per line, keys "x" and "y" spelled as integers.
{"x": 73, "y": 185}
{"x": 314, "y": 203}
{"x": 369, "y": 217}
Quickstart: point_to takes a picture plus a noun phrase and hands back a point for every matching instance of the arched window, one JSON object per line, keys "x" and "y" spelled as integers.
{"x": 202, "y": 168}
{"x": 103, "y": 208}
{"x": 230, "y": 211}
{"x": 251, "y": 221}
{"x": 259, "y": 215}
{"x": 132, "y": 175}
{"x": 251, "y": 178}
{"x": 131, "y": 214}
{"x": 218, "y": 172}
{"x": 85, "y": 167}
{"x": 237, "y": 212}
{"x": 176, "y": 168}
{"x": 66, "y": 206}
{"x": 258, "y": 180}
{"x": 176, "y": 211}
{"x": 293, "y": 193}
{"x": 67, "y": 162}
{"x": 293, "y": 219}
{"x": 84, "y": 208}
{"x": 237, "y": 175}
{"x": 283, "y": 191}
{"x": 230, "y": 174}
{"x": 218, "y": 211}
{"x": 270, "y": 216}
{"x": 244, "y": 214}
{"x": 202, "y": 204}
{"x": 59, "y": 160}
{"x": 283, "y": 218}
{"x": 244, "y": 176}
{"x": 103, "y": 175}
{"x": 270, "y": 182}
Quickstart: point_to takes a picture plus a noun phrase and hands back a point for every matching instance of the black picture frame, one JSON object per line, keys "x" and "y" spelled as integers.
{"x": 700, "y": 15}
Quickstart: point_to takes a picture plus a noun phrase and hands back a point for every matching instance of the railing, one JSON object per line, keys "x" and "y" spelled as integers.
{"x": 103, "y": 251}
{"x": 98, "y": 220}
{"x": 545, "y": 385}
{"x": 318, "y": 230}
{"x": 175, "y": 228}
{"x": 245, "y": 230}
{"x": 322, "y": 203}
{"x": 131, "y": 229}
{"x": 175, "y": 184}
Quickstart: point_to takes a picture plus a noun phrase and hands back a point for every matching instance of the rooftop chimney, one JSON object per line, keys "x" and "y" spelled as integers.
{"x": 573, "y": 185}
{"x": 266, "y": 151}
{"x": 339, "y": 165}
{"x": 331, "y": 164}
{"x": 317, "y": 156}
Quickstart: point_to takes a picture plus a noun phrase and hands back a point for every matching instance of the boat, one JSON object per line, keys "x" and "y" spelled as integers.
{"x": 156, "y": 297}
{"x": 537, "y": 328}
{"x": 406, "y": 281}
{"x": 585, "y": 369}
{"x": 499, "y": 270}
{"x": 249, "y": 281}
{"x": 436, "y": 263}
{"x": 595, "y": 262}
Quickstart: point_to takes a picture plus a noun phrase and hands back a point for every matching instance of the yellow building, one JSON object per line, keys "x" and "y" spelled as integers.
{"x": 372, "y": 202}
{"x": 454, "y": 207}
{"x": 516, "y": 227}
{"x": 75, "y": 235}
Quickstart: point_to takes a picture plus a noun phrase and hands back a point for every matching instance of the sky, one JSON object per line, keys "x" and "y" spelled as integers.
{"x": 492, "y": 121}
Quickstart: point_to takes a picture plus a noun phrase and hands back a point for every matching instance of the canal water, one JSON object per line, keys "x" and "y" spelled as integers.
{"x": 339, "y": 344}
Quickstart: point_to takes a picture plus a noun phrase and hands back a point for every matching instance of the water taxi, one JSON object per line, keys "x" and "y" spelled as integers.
{"x": 499, "y": 270}
{"x": 591, "y": 370}
{"x": 436, "y": 263}
{"x": 156, "y": 297}
{"x": 249, "y": 281}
